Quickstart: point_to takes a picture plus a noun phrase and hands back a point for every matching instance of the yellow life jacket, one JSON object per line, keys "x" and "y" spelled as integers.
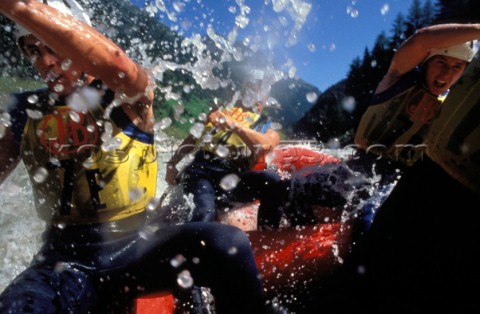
{"x": 87, "y": 169}
{"x": 394, "y": 127}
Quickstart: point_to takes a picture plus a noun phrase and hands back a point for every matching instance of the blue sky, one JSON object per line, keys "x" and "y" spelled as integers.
{"x": 334, "y": 33}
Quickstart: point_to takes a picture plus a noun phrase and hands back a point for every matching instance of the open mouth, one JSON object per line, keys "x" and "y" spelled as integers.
{"x": 52, "y": 77}
{"x": 439, "y": 84}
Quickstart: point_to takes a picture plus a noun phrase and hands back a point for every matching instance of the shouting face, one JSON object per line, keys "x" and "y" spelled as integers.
{"x": 441, "y": 72}
{"x": 59, "y": 73}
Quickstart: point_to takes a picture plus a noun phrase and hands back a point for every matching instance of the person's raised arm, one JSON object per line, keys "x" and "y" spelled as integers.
{"x": 72, "y": 39}
{"x": 413, "y": 51}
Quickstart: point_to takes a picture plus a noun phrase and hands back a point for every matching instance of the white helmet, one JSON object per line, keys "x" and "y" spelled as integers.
{"x": 464, "y": 51}
{"x": 70, "y": 7}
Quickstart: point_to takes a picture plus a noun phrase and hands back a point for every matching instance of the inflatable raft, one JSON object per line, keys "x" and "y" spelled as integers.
{"x": 289, "y": 258}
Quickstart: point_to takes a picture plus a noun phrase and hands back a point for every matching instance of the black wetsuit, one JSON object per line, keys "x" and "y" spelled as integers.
{"x": 87, "y": 269}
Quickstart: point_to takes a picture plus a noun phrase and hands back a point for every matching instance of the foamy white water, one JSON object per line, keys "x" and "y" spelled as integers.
{"x": 19, "y": 226}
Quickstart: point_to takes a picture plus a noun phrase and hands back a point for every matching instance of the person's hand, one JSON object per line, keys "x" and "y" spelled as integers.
{"x": 221, "y": 121}
{"x": 171, "y": 174}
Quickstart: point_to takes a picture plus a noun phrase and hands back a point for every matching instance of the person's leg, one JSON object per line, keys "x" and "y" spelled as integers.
{"x": 196, "y": 181}
{"x": 209, "y": 255}
{"x": 49, "y": 289}
{"x": 267, "y": 187}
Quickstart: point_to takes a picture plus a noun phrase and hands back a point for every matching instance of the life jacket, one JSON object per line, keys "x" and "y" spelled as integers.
{"x": 88, "y": 166}
{"x": 395, "y": 124}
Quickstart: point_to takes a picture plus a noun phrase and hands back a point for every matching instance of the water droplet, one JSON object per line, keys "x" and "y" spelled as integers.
{"x": 312, "y": 97}
{"x": 202, "y": 117}
{"x": 361, "y": 269}
{"x": 385, "y": 9}
{"x": 184, "y": 279}
{"x": 74, "y": 116}
{"x": 5, "y": 119}
{"x": 59, "y": 267}
{"x": 222, "y": 151}
{"x": 34, "y": 114}
{"x": 207, "y": 138}
{"x": 153, "y": 204}
{"x": 66, "y": 64}
{"x": 233, "y": 250}
{"x": 348, "y": 103}
{"x": 229, "y": 182}
{"x": 54, "y": 161}
{"x": 163, "y": 124}
{"x": 352, "y": 12}
{"x": 135, "y": 194}
{"x": 108, "y": 127}
{"x": 178, "y": 260}
{"x": 58, "y": 88}
{"x": 33, "y": 99}
{"x": 242, "y": 21}
{"x": 197, "y": 129}
{"x": 40, "y": 175}
{"x": 40, "y": 258}
{"x": 179, "y": 6}
{"x": 333, "y": 143}
{"x": 187, "y": 89}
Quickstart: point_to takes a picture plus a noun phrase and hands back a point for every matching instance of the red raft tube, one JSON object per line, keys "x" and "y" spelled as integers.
{"x": 289, "y": 257}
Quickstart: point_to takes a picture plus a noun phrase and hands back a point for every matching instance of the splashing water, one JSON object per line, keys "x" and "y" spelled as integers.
{"x": 20, "y": 228}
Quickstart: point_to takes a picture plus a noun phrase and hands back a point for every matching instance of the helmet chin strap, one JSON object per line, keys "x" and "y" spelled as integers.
{"x": 424, "y": 86}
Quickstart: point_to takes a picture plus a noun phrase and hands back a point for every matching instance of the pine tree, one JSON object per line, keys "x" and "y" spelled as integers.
{"x": 429, "y": 13}
{"x": 414, "y": 18}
